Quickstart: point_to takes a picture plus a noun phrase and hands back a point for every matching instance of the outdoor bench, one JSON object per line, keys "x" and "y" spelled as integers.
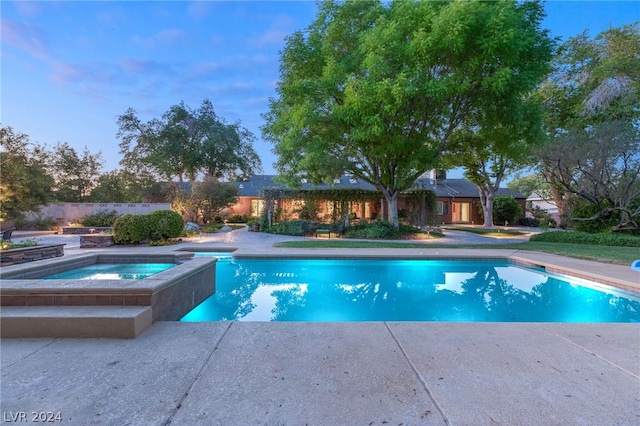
{"x": 323, "y": 231}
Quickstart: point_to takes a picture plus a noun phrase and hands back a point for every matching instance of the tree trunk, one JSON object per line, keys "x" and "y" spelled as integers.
{"x": 486, "y": 200}
{"x": 558, "y": 196}
{"x": 392, "y": 203}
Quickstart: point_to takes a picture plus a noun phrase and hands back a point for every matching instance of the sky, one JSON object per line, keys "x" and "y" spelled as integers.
{"x": 69, "y": 68}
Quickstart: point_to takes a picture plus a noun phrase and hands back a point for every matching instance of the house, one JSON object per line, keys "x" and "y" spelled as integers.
{"x": 550, "y": 207}
{"x": 458, "y": 200}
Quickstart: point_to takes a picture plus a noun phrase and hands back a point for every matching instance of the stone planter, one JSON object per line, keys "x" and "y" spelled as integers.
{"x": 30, "y": 254}
{"x": 82, "y": 230}
{"x": 96, "y": 241}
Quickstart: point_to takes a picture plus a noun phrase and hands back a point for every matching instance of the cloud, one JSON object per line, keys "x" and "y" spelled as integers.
{"x": 201, "y": 9}
{"x": 259, "y": 103}
{"x": 162, "y": 38}
{"x": 171, "y": 36}
{"x": 27, "y": 8}
{"x": 25, "y": 37}
{"x": 269, "y": 38}
{"x": 207, "y": 69}
{"x": 64, "y": 73}
{"x": 146, "y": 67}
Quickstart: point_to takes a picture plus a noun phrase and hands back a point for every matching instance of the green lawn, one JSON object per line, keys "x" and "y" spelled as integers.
{"x": 490, "y": 232}
{"x": 608, "y": 254}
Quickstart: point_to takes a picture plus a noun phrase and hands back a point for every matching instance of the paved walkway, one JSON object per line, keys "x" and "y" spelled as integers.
{"x": 244, "y": 236}
{"x": 376, "y": 373}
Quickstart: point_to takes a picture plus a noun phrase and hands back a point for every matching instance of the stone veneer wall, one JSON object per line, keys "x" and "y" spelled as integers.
{"x": 96, "y": 241}
{"x": 82, "y": 230}
{"x": 30, "y": 254}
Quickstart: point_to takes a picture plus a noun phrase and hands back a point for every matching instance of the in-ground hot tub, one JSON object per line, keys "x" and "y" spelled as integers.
{"x": 165, "y": 295}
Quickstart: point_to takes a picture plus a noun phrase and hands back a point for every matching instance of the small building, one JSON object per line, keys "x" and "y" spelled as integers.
{"x": 458, "y": 200}
{"x": 536, "y": 200}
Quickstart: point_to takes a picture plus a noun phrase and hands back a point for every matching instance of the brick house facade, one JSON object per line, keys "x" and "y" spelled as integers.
{"x": 458, "y": 200}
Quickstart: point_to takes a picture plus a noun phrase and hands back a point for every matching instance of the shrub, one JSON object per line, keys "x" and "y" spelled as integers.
{"x": 8, "y": 245}
{"x": 604, "y": 223}
{"x": 378, "y": 231}
{"x": 293, "y": 227}
{"x": 165, "y": 224}
{"x": 528, "y": 221}
{"x": 131, "y": 229}
{"x": 39, "y": 223}
{"x": 587, "y": 238}
{"x": 211, "y": 227}
{"x": 309, "y": 211}
{"x": 237, "y": 218}
{"x": 104, "y": 218}
{"x": 543, "y": 217}
{"x": 505, "y": 210}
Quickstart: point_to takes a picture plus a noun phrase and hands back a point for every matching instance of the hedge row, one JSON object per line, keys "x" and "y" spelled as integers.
{"x": 587, "y": 238}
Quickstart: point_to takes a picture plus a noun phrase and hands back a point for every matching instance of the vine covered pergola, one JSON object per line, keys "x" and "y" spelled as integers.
{"x": 420, "y": 203}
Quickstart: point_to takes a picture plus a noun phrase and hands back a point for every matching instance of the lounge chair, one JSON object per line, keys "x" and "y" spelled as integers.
{"x": 6, "y": 234}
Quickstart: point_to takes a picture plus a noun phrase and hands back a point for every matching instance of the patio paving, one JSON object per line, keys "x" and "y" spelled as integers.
{"x": 374, "y": 373}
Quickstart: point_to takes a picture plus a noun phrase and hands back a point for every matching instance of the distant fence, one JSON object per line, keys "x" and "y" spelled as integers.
{"x": 64, "y": 213}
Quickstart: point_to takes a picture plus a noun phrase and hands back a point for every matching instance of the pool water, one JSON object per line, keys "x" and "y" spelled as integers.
{"x": 406, "y": 290}
{"x": 218, "y": 254}
{"x": 105, "y": 271}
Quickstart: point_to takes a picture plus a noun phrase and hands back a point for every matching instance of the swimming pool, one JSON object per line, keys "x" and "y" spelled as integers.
{"x": 102, "y": 271}
{"x": 406, "y": 290}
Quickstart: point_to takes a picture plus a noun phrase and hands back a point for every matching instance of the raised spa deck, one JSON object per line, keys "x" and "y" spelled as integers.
{"x": 33, "y": 307}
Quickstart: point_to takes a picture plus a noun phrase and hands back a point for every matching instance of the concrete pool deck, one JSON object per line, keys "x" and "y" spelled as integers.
{"x": 378, "y": 373}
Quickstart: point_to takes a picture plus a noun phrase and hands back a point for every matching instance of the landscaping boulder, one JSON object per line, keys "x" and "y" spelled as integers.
{"x": 191, "y": 226}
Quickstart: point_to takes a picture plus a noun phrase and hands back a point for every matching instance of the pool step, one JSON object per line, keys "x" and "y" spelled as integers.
{"x": 74, "y": 321}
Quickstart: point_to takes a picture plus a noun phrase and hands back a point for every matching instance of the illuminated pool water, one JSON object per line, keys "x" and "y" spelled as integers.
{"x": 106, "y": 271}
{"x": 406, "y": 290}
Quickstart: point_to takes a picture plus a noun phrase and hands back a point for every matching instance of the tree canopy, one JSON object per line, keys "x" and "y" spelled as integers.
{"x": 26, "y": 184}
{"x": 76, "y": 175}
{"x": 592, "y": 115}
{"x": 185, "y": 142}
{"x": 380, "y": 90}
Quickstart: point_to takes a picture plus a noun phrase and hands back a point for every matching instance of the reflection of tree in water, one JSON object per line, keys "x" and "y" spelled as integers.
{"x": 487, "y": 297}
{"x": 557, "y": 300}
{"x": 361, "y": 291}
{"x": 350, "y": 293}
{"x": 234, "y": 302}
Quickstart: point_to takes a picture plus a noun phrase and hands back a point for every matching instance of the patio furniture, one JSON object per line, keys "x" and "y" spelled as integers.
{"x": 6, "y": 234}
{"x": 323, "y": 231}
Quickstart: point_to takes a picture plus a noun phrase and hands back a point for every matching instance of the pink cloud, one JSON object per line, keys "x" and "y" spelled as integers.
{"x": 25, "y": 37}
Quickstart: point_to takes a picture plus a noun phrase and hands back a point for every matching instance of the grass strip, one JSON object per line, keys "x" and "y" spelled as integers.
{"x": 490, "y": 232}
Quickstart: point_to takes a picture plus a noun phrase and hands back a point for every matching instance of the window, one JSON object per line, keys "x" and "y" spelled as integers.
{"x": 257, "y": 207}
{"x": 443, "y": 207}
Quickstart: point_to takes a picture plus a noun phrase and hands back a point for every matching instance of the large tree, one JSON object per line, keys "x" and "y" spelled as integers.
{"x": 378, "y": 90}
{"x": 75, "y": 174}
{"x": 26, "y": 184}
{"x": 186, "y": 142}
{"x": 207, "y": 198}
{"x": 591, "y": 104}
{"x": 496, "y": 147}
{"x": 122, "y": 186}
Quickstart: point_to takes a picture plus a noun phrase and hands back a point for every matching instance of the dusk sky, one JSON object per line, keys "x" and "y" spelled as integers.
{"x": 70, "y": 68}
